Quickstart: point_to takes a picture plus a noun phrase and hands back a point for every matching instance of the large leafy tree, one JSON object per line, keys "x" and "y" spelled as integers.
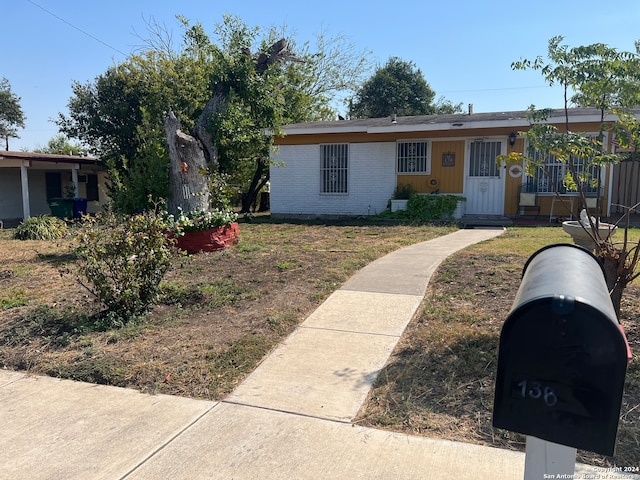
{"x": 230, "y": 131}
{"x": 399, "y": 87}
{"x": 601, "y": 77}
{"x": 120, "y": 115}
{"x": 11, "y": 114}
{"x": 299, "y": 88}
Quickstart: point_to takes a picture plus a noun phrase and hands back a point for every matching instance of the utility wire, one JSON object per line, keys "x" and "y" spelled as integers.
{"x": 497, "y": 89}
{"x": 79, "y": 29}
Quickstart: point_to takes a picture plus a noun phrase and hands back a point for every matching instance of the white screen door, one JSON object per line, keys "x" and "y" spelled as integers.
{"x": 484, "y": 182}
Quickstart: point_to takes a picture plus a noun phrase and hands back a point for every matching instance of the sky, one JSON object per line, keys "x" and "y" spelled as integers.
{"x": 464, "y": 48}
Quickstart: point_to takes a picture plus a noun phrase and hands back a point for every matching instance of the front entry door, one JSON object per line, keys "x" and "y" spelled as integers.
{"x": 484, "y": 180}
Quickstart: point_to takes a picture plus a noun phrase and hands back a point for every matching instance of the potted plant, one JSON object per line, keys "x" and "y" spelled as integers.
{"x": 401, "y": 196}
{"x": 204, "y": 231}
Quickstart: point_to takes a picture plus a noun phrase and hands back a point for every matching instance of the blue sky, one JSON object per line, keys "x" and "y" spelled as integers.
{"x": 464, "y": 48}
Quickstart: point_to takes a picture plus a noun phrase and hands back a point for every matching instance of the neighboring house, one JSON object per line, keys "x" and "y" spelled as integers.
{"x": 352, "y": 167}
{"x": 28, "y": 181}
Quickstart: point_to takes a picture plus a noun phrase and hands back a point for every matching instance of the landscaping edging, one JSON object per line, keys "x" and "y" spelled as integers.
{"x": 209, "y": 240}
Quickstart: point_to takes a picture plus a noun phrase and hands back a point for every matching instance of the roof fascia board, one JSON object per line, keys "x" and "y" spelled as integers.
{"x": 323, "y": 130}
{"x": 13, "y": 163}
{"x": 486, "y": 124}
{"x": 54, "y": 166}
{"x": 430, "y": 127}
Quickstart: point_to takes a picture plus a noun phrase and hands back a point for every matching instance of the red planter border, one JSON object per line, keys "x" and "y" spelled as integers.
{"x": 209, "y": 240}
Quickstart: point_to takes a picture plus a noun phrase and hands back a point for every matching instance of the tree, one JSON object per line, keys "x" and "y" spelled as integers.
{"x": 332, "y": 66}
{"x": 121, "y": 115}
{"x": 400, "y": 88}
{"x": 60, "y": 145}
{"x": 602, "y": 77}
{"x": 255, "y": 94}
{"x": 11, "y": 115}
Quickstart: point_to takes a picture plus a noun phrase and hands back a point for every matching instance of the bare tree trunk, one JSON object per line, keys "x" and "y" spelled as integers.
{"x": 216, "y": 104}
{"x": 191, "y": 154}
{"x": 611, "y": 265}
{"x": 619, "y": 270}
{"x": 257, "y": 183}
{"x": 188, "y": 183}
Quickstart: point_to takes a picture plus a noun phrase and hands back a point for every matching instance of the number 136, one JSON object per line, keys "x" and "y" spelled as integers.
{"x": 536, "y": 391}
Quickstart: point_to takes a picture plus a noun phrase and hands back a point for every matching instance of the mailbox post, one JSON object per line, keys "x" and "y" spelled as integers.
{"x": 563, "y": 356}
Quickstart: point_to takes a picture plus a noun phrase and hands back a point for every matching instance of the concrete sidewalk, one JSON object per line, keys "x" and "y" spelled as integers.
{"x": 289, "y": 419}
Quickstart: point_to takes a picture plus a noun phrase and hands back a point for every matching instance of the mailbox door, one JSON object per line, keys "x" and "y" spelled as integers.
{"x": 561, "y": 375}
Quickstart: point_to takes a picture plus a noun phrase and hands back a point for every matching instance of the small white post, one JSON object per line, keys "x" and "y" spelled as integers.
{"x": 74, "y": 179}
{"x": 24, "y": 177}
{"x": 548, "y": 460}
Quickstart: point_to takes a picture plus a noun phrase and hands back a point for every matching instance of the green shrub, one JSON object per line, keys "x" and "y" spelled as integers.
{"x": 424, "y": 208}
{"x": 45, "y": 227}
{"x": 432, "y": 207}
{"x": 404, "y": 192}
{"x": 122, "y": 261}
{"x": 145, "y": 178}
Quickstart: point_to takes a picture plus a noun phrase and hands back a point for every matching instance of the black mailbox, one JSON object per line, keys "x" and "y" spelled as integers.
{"x": 563, "y": 356}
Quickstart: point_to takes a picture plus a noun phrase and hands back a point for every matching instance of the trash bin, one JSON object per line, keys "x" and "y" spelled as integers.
{"x": 79, "y": 207}
{"x": 61, "y": 207}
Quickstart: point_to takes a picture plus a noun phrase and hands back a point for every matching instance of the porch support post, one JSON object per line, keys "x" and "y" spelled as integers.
{"x": 74, "y": 178}
{"x": 24, "y": 177}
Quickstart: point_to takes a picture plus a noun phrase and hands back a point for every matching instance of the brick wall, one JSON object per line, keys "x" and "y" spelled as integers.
{"x": 295, "y": 181}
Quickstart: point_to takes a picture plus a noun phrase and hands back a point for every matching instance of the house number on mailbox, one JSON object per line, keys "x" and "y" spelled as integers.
{"x": 536, "y": 391}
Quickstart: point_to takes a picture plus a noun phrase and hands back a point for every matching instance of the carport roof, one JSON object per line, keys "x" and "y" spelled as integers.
{"x": 47, "y": 157}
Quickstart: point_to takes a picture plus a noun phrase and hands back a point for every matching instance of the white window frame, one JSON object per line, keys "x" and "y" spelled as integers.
{"x": 418, "y": 163}
{"x": 334, "y": 168}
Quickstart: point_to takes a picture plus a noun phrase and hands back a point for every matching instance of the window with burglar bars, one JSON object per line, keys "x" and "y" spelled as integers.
{"x": 413, "y": 157}
{"x": 334, "y": 168}
{"x": 544, "y": 182}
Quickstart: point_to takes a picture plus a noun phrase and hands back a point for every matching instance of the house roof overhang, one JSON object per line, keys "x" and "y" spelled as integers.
{"x": 12, "y": 159}
{"x": 426, "y": 123}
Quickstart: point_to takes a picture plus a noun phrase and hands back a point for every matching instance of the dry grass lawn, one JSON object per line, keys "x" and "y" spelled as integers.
{"x": 218, "y": 315}
{"x": 440, "y": 380}
{"x": 221, "y": 313}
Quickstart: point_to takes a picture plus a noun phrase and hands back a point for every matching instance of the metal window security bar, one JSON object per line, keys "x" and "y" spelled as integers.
{"x": 544, "y": 183}
{"x": 334, "y": 168}
{"x": 412, "y": 157}
{"x": 483, "y": 159}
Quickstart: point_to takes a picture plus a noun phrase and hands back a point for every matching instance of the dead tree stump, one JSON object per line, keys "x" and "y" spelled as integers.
{"x": 188, "y": 181}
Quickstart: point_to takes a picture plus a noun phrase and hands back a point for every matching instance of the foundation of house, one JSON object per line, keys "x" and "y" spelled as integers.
{"x": 474, "y": 221}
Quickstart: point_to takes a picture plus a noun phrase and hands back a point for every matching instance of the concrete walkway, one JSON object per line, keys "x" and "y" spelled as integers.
{"x": 290, "y": 419}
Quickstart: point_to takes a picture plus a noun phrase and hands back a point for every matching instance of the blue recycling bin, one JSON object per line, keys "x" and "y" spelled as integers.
{"x": 79, "y": 207}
